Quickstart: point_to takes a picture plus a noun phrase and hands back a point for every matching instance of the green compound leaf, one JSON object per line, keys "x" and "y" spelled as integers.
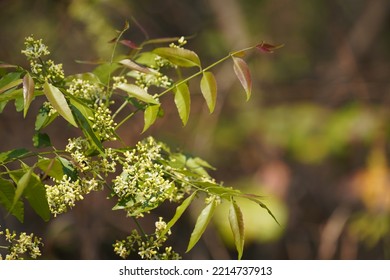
{"x": 35, "y": 194}
{"x": 201, "y": 223}
{"x": 58, "y": 101}
{"x": 29, "y": 186}
{"x": 28, "y": 92}
{"x": 7, "y": 193}
{"x": 183, "y": 102}
{"x": 256, "y": 199}
{"x": 179, "y": 212}
{"x": 51, "y": 167}
{"x": 242, "y": 72}
{"x": 150, "y": 116}
{"x": 139, "y": 93}
{"x": 9, "y": 81}
{"x": 178, "y": 56}
{"x": 208, "y": 87}
{"x": 21, "y": 185}
{"x": 237, "y": 226}
{"x": 82, "y": 113}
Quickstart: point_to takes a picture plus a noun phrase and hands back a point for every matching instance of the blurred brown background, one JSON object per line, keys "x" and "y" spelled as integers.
{"x": 314, "y": 138}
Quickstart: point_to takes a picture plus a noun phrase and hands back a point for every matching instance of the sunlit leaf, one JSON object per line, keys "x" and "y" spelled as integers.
{"x": 237, "y": 226}
{"x": 51, "y": 167}
{"x": 201, "y": 223}
{"x": 104, "y": 71}
{"x": 35, "y": 194}
{"x": 242, "y": 72}
{"x": 262, "y": 205}
{"x": 150, "y": 116}
{"x": 21, "y": 185}
{"x": 7, "y": 194}
{"x": 11, "y": 85}
{"x": 9, "y": 81}
{"x": 137, "y": 92}
{"x": 58, "y": 101}
{"x": 179, "y": 212}
{"x": 208, "y": 87}
{"x": 19, "y": 104}
{"x": 183, "y": 102}
{"x": 135, "y": 66}
{"x": 82, "y": 113}
{"x": 178, "y": 56}
{"x": 28, "y": 92}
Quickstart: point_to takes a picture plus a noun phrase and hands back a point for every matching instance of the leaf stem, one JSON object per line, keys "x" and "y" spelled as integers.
{"x": 204, "y": 70}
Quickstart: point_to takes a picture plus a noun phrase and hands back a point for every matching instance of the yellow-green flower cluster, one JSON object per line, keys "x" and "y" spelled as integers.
{"x": 41, "y": 70}
{"x": 34, "y": 49}
{"x": 149, "y": 247}
{"x": 157, "y": 79}
{"x": 103, "y": 124}
{"x": 21, "y": 245}
{"x": 85, "y": 89}
{"x": 180, "y": 43}
{"x": 77, "y": 148}
{"x": 63, "y": 194}
{"x": 143, "y": 183}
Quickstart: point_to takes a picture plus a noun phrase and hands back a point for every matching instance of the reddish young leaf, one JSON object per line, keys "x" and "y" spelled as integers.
{"x": 243, "y": 74}
{"x": 268, "y": 48}
{"x": 129, "y": 44}
{"x": 135, "y": 66}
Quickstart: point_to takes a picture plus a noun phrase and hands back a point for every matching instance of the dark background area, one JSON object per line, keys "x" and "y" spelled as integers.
{"x": 313, "y": 139}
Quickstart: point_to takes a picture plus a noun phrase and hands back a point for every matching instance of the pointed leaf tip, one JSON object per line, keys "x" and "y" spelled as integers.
{"x": 237, "y": 226}
{"x": 139, "y": 93}
{"x": 268, "y": 48}
{"x": 178, "y": 56}
{"x": 58, "y": 101}
{"x": 28, "y": 92}
{"x": 201, "y": 224}
{"x": 183, "y": 102}
{"x": 242, "y": 72}
{"x": 150, "y": 116}
{"x": 208, "y": 87}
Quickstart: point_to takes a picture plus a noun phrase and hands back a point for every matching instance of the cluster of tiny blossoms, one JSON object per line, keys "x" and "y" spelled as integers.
{"x": 180, "y": 43}
{"x": 63, "y": 194}
{"x": 102, "y": 123}
{"x": 21, "y": 245}
{"x": 41, "y": 70}
{"x": 143, "y": 183}
{"x": 85, "y": 90}
{"x": 157, "y": 79}
{"x": 149, "y": 247}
